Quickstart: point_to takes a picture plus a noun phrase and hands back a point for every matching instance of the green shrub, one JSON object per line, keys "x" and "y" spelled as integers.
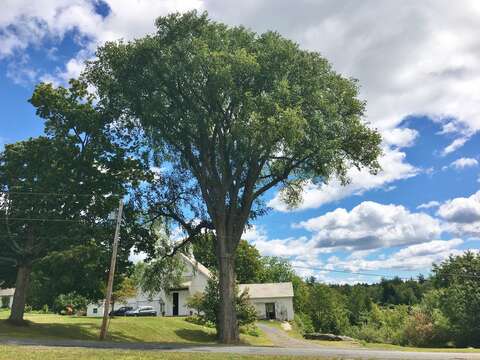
{"x": 71, "y": 303}
{"x": 382, "y": 324}
{"x": 45, "y": 309}
{"x": 28, "y": 308}
{"x": 420, "y": 329}
{"x": 427, "y": 325}
{"x": 250, "y": 329}
{"x": 304, "y": 323}
{"x": 199, "y": 320}
{"x": 206, "y": 305}
{"x": 195, "y": 302}
{"x": 246, "y": 313}
{"x": 367, "y": 332}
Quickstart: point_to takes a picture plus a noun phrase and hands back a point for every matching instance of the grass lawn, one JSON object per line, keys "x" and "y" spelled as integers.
{"x": 147, "y": 329}
{"x": 8, "y": 352}
{"x": 295, "y": 333}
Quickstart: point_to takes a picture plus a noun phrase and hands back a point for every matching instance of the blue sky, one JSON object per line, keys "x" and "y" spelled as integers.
{"x": 419, "y": 70}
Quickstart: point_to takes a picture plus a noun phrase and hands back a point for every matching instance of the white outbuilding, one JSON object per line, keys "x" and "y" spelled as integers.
{"x": 272, "y": 300}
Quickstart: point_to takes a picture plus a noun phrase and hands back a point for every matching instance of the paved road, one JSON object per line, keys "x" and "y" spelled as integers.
{"x": 314, "y": 351}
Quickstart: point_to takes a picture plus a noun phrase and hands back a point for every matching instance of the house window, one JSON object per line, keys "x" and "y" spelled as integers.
{"x": 95, "y": 310}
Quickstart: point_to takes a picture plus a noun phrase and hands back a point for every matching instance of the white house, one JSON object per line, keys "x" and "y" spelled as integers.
{"x": 273, "y": 301}
{"x": 6, "y": 297}
{"x": 195, "y": 278}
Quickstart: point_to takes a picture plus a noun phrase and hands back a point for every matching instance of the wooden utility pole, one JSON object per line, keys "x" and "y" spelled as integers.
{"x": 108, "y": 298}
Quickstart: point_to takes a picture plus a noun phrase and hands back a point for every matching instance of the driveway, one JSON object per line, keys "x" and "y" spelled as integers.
{"x": 280, "y": 338}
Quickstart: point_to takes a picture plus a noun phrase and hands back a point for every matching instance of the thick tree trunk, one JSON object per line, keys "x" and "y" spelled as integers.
{"x": 227, "y": 326}
{"x": 20, "y": 296}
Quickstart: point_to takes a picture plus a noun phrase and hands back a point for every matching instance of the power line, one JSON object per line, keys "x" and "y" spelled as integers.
{"x": 55, "y": 194}
{"x": 39, "y": 219}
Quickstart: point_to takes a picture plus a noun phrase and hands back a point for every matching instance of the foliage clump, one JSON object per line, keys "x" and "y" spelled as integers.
{"x": 69, "y": 304}
{"x": 207, "y": 305}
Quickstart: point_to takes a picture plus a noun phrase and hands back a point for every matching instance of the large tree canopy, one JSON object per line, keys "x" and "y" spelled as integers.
{"x": 58, "y": 190}
{"x": 231, "y": 114}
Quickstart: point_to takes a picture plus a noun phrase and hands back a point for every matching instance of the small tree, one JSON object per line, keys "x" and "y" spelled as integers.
{"x": 210, "y": 305}
{"x": 127, "y": 289}
{"x": 195, "y": 302}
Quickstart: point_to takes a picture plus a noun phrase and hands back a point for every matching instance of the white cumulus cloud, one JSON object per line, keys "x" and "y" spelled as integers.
{"x": 429, "y": 205}
{"x": 462, "y": 215}
{"x": 371, "y": 225}
{"x": 463, "y": 163}
{"x": 413, "y": 257}
{"x": 394, "y": 168}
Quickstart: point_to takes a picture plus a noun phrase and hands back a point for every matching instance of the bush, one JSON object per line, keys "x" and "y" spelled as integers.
{"x": 195, "y": 302}
{"x": 200, "y": 320}
{"x": 207, "y": 306}
{"x": 45, "y": 309}
{"x": 382, "y": 324}
{"x": 246, "y": 312}
{"x": 427, "y": 326}
{"x": 28, "y": 308}
{"x": 71, "y": 303}
{"x": 250, "y": 329}
{"x": 367, "y": 332}
{"x": 303, "y": 323}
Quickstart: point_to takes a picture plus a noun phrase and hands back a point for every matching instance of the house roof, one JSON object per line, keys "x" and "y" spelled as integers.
{"x": 7, "y": 292}
{"x": 270, "y": 290}
{"x": 197, "y": 266}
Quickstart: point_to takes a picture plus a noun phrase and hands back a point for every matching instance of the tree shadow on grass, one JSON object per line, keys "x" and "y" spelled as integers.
{"x": 85, "y": 330}
{"x": 197, "y": 336}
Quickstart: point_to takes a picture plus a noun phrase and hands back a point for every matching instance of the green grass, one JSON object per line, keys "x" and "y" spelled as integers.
{"x": 8, "y": 352}
{"x": 151, "y": 329}
{"x": 375, "y": 346}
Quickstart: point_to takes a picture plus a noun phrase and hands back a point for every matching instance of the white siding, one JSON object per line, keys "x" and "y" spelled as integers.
{"x": 283, "y": 307}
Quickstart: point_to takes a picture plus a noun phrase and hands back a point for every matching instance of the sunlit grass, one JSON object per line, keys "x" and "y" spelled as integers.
{"x": 124, "y": 329}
